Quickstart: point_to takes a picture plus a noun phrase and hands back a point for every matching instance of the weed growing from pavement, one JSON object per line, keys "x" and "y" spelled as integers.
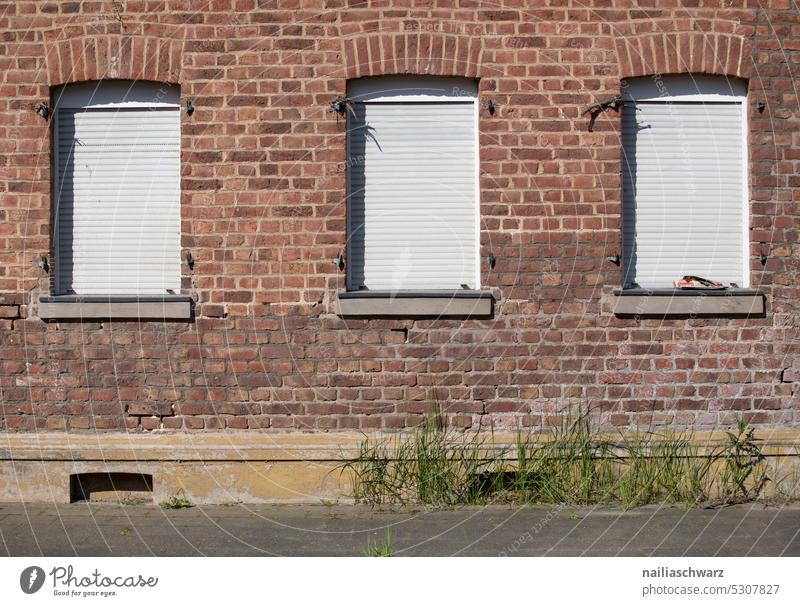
{"x": 176, "y": 502}
{"x": 380, "y": 550}
{"x": 743, "y": 475}
{"x": 574, "y": 464}
{"x": 131, "y": 501}
{"x": 435, "y": 467}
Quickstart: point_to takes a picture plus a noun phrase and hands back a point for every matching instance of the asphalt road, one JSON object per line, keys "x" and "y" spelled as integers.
{"x": 84, "y": 529}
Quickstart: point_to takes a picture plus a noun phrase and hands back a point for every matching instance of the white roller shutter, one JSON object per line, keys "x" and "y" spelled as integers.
{"x": 683, "y": 179}
{"x": 412, "y": 184}
{"x": 118, "y": 200}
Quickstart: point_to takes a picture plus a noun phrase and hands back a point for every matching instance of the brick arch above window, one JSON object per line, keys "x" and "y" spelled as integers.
{"x": 125, "y": 57}
{"x": 684, "y": 52}
{"x": 434, "y": 53}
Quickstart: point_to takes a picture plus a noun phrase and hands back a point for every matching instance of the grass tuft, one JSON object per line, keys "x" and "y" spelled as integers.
{"x": 436, "y": 466}
{"x": 574, "y": 464}
{"x": 743, "y": 475}
{"x": 380, "y": 550}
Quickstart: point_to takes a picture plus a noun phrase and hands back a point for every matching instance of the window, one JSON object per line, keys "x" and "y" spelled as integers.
{"x": 412, "y": 184}
{"x": 684, "y": 180}
{"x": 117, "y": 188}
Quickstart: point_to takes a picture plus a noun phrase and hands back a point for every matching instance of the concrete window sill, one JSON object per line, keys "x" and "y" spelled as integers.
{"x": 154, "y": 308}
{"x": 429, "y": 304}
{"x": 673, "y": 303}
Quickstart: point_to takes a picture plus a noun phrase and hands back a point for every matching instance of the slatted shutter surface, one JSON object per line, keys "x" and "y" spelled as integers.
{"x": 118, "y": 196}
{"x": 412, "y": 196}
{"x": 683, "y": 192}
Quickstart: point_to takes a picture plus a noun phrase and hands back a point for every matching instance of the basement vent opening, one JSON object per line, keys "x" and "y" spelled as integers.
{"x": 110, "y": 487}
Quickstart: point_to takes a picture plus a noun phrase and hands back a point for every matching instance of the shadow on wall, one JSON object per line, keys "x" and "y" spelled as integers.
{"x": 630, "y": 129}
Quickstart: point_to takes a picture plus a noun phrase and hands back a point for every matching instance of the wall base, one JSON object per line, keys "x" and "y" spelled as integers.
{"x": 247, "y": 467}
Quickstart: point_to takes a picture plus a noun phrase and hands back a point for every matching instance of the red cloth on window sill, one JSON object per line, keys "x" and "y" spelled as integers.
{"x": 697, "y": 283}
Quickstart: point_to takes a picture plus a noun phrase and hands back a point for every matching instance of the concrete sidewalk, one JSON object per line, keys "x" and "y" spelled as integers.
{"x": 342, "y": 530}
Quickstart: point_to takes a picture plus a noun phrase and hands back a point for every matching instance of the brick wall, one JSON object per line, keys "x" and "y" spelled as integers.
{"x": 263, "y": 215}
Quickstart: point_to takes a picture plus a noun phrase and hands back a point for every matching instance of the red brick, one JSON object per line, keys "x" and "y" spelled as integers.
{"x": 263, "y": 213}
